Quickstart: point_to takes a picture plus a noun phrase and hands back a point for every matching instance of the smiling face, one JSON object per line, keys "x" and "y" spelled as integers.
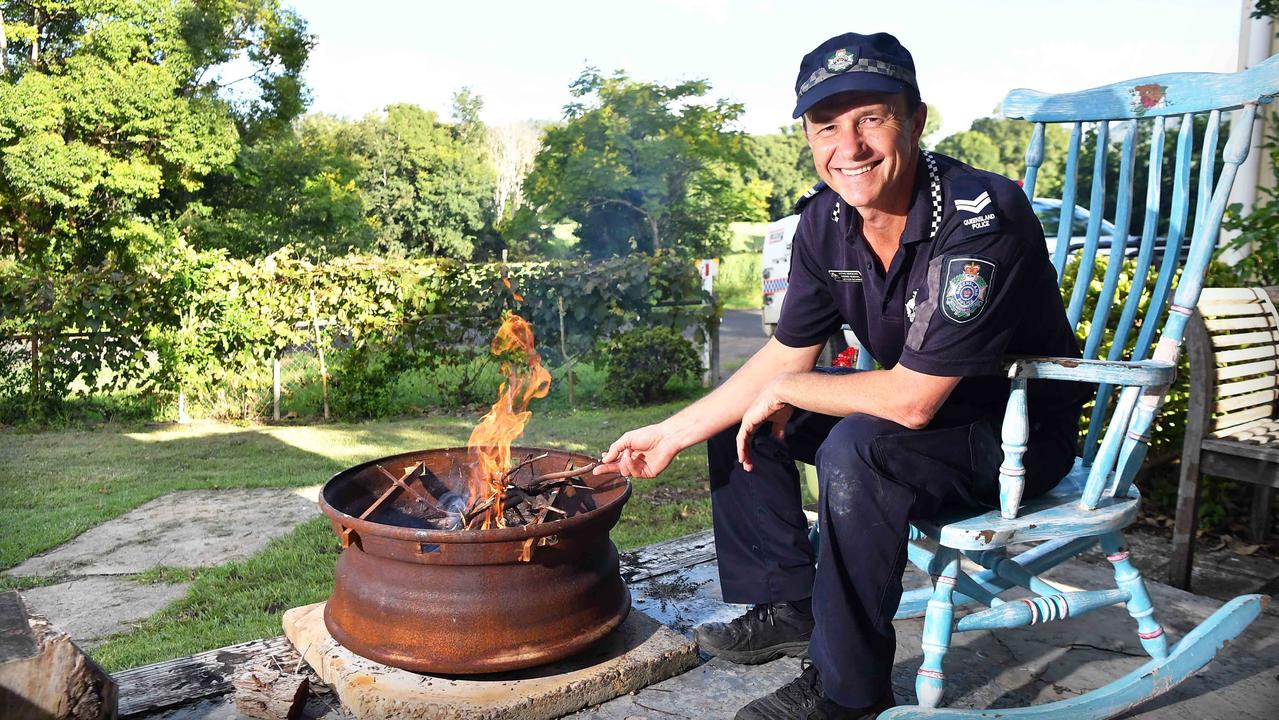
{"x": 865, "y": 146}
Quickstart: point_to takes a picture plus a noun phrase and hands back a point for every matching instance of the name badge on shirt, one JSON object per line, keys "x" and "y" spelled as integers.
{"x": 845, "y": 276}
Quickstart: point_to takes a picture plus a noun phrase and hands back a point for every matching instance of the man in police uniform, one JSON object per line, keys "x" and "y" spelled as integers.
{"x": 941, "y": 270}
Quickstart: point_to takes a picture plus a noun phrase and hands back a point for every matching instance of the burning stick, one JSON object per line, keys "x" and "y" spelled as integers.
{"x": 578, "y": 472}
{"x": 395, "y": 485}
{"x": 419, "y": 495}
{"x": 525, "y": 463}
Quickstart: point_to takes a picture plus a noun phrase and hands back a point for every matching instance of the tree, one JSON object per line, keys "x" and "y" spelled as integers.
{"x": 108, "y": 114}
{"x": 971, "y": 147}
{"x": 645, "y": 166}
{"x": 425, "y": 189}
{"x": 112, "y": 112}
{"x": 999, "y": 145}
{"x": 298, "y": 187}
{"x": 785, "y": 162}
{"x": 512, "y": 149}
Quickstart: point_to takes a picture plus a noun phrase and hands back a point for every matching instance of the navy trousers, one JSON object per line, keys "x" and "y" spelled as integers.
{"x": 875, "y": 476}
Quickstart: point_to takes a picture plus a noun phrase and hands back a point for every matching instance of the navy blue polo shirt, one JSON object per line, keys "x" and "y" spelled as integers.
{"x": 970, "y": 283}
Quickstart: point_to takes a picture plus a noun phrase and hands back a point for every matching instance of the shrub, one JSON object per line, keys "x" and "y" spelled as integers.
{"x": 641, "y": 361}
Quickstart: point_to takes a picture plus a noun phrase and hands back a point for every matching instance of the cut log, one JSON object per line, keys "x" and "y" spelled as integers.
{"x": 44, "y": 675}
{"x": 273, "y": 686}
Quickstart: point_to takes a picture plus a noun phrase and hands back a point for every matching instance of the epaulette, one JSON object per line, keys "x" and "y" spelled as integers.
{"x": 812, "y": 192}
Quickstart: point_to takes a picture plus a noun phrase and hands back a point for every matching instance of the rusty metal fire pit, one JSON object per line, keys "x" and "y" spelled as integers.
{"x": 414, "y": 596}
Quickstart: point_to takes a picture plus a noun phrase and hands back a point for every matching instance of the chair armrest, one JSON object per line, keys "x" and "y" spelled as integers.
{"x": 1141, "y": 372}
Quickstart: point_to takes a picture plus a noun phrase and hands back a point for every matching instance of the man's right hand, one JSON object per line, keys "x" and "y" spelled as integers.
{"x": 642, "y": 453}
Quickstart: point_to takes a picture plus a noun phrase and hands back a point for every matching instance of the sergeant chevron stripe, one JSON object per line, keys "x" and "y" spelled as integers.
{"x": 975, "y": 205}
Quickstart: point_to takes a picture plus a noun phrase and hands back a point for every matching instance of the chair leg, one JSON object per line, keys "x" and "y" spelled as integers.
{"x": 939, "y": 621}
{"x": 1139, "y": 606}
{"x": 1259, "y": 525}
{"x": 1183, "y": 531}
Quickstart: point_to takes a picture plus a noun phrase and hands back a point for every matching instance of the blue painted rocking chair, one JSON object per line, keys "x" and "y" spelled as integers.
{"x": 1097, "y": 500}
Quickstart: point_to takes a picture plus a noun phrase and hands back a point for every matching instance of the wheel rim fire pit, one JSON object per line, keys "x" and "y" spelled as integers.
{"x": 411, "y": 592}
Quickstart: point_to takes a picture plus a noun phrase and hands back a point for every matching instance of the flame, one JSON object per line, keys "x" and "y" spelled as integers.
{"x": 490, "y": 443}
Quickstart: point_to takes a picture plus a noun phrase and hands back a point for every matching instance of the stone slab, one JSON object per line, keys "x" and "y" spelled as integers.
{"x": 189, "y": 528}
{"x": 1013, "y": 668}
{"x": 639, "y": 653}
{"x": 94, "y": 608}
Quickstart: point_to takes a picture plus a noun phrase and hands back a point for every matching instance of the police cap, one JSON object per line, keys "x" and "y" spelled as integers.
{"x": 853, "y": 62}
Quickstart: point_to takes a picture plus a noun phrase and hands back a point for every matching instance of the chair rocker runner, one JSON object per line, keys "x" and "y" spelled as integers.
{"x": 1094, "y": 503}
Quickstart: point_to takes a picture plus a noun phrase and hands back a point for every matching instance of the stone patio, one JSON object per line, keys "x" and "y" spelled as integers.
{"x": 676, "y": 584}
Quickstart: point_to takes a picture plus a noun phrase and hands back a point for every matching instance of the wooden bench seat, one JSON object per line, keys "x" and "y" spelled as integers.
{"x": 1232, "y": 428}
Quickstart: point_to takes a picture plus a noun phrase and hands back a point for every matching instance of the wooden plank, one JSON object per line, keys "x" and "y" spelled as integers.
{"x": 1238, "y": 418}
{"x": 1227, "y": 295}
{"x": 176, "y": 682}
{"x": 665, "y": 557}
{"x": 1253, "y": 353}
{"x": 1231, "y": 372}
{"x": 1254, "y": 464}
{"x": 1230, "y": 308}
{"x": 1264, "y": 398}
{"x": 1264, "y": 427}
{"x": 1252, "y": 338}
{"x": 1244, "y": 386}
{"x": 1223, "y": 324}
{"x": 1155, "y": 95}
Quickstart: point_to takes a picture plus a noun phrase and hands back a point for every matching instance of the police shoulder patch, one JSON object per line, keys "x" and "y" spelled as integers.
{"x": 976, "y": 210}
{"x": 967, "y": 285}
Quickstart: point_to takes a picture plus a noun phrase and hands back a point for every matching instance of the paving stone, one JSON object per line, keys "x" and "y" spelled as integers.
{"x": 191, "y": 528}
{"x": 93, "y": 608}
{"x": 638, "y": 653}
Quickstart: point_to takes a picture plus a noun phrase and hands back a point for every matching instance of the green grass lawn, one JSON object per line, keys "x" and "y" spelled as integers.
{"x": 56, "y": 485}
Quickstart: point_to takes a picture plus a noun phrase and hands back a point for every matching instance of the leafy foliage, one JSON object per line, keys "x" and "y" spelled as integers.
{"x": 298, "y": 187}
{"x": 1257, "y": 231}
{"x": 642, "y": 360}
{"x": 784, "y": 160}
{"x": 999, "y": 145}
{"x": 645, "y": 166}
{"x": 427, "y": 189}
{"x": 215, "y": 322}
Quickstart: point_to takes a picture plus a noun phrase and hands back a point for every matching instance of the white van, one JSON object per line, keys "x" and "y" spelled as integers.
{"x": 776, "y": 268}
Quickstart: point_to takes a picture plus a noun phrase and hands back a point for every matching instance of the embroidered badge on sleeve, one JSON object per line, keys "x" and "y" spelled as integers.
{"x": 967, "y": 288}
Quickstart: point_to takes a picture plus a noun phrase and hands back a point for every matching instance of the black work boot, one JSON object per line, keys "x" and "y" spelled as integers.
{"x": 763, "y": 633}
{"x": 803, "y": 699}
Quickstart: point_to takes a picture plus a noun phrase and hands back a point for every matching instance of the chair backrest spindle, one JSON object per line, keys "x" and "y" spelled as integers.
{"x": 1119, "y": 429}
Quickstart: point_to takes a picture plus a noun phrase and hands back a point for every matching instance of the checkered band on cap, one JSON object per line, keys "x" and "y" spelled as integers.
{"x": 865, "y": 65}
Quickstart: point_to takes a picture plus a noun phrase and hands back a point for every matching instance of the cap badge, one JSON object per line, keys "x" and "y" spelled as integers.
{"x": 841, "y": 60}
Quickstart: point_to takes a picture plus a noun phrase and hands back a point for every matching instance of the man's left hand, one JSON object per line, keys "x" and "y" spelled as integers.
{"x": 768, "y": 407}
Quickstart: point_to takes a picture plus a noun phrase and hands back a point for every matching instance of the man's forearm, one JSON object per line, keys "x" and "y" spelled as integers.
{"x": 725, "y": 404}
{"x": 900, "y": 395}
